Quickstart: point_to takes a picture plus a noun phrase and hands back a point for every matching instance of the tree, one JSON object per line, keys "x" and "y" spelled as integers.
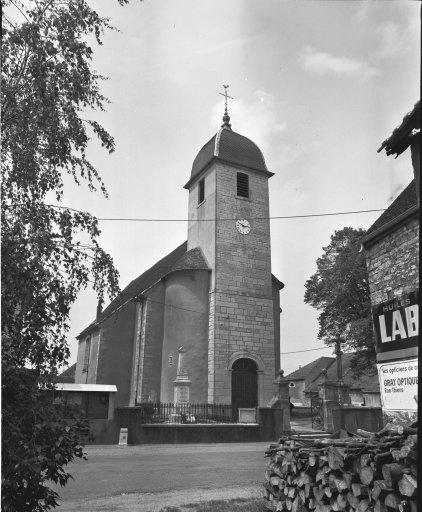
{"x": 49, "y": 252}
{"x": 340, "y": 290}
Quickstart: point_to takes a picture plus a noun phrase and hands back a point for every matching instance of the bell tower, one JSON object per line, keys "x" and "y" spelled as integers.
{"x": 229, "y": 221}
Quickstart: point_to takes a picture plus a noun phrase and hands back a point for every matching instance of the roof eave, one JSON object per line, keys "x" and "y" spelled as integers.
{"x": 94, "y": 325}
{"x": 390, "y": 226}
{"x": 234, "y": 164}
{"x": 139, "y": 296}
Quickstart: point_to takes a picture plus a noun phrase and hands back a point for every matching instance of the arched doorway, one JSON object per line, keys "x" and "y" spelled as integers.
{"x": 244, "y": 384}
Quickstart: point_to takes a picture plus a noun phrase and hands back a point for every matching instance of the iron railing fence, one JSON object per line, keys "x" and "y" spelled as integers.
{"x": 185, "y": 413}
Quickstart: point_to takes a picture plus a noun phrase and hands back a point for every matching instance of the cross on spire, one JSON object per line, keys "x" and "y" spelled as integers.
{"x": 226, "y": 117}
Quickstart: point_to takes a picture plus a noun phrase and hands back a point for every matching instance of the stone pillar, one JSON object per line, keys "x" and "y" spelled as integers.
{"x": 339, "y": 353}
{"x": 334, "y": 395}
{"x": 281, "y": 399}
{"x": 181, "y": 383}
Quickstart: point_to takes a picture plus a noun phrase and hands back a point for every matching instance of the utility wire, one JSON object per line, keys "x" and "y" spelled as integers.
{"x": 176, "y": 307}
{"x": 307, "y": 350}
{"x": 137, "y": 219}
{"x": 102, "y": 320}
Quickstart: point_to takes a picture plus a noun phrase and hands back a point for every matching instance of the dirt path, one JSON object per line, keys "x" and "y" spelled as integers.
{"x": 154, "y": 502}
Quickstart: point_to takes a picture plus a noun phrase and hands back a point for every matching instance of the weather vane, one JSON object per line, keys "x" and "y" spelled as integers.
{"x": 225, "y": 97}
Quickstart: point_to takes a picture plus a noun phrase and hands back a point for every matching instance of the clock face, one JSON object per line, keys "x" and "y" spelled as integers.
{"x": 243, "y": 226}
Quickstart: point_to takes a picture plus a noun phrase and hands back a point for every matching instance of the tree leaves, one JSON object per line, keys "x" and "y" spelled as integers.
{"x": 340, "y": 290}
{"x": 49, "y": 252}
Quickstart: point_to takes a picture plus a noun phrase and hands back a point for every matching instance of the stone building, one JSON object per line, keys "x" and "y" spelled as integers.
{"x": 202, "y": 324}
{"x": 392, "y": 255}
{"x": 305, "y": 381}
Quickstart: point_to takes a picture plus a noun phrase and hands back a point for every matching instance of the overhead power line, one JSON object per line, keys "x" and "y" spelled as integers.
{"x": 307, "y": 350}
{"x": 145, "y": 219}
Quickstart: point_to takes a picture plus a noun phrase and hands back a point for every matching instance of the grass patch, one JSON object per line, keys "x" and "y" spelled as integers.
{"x": 233, "y": 505}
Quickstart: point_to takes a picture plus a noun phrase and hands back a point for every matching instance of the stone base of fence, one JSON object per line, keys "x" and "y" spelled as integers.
{"x": 197, "y": 433}
{"x": 352, "y": 418}
{"x": 269, "y": 427}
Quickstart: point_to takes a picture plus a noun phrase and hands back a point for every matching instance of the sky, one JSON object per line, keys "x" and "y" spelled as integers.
{"x": 317, "y": 85}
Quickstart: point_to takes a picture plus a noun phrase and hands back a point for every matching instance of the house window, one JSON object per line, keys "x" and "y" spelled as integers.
{"x": 201, "y": 191}
{"x": 242, "y": 184}
{"x": 86, "y": 355}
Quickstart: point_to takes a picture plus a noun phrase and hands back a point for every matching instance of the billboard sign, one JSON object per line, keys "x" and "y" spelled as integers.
{"x": 399, "y": 385}
{"x": 396, "y": 323}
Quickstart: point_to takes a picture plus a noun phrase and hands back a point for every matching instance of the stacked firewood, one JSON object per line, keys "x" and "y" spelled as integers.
{"x": 367, "y": 472}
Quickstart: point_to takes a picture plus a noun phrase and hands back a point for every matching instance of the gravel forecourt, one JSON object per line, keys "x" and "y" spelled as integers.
{"x": 146, "y": 478}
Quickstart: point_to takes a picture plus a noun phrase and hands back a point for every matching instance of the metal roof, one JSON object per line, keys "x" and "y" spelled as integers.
{"x": 231, "y": 147}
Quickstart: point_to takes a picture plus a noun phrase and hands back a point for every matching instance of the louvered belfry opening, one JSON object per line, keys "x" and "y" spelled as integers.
{"x": 242, "y": 184}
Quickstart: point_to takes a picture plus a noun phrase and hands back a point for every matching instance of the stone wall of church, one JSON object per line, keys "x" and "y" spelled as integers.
{"x": 276, "y": 316}
{"x": 151, "y": 344}
{"x": 80, "y": 376}
{"x": 244, "y": 307}
{"x": 115, "y": 352}
{"x": 186, "y": 325}
{"x": 91, "y": 377}
{"x": 87, "y": 374}
{"x": 202, "y": 233}
{"x": 243, "y": 261}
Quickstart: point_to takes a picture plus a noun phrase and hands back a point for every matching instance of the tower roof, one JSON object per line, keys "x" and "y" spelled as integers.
{"x": 231, "y": 147}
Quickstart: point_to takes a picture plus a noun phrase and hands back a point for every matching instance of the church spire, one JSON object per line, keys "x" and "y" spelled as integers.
{"x": 226, "y": 117}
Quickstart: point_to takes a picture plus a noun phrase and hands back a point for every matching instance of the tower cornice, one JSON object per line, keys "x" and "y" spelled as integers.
{"x": 214, "y": 159}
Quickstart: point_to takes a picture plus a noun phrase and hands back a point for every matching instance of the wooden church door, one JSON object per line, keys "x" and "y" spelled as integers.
{"x": 244, "y": 385}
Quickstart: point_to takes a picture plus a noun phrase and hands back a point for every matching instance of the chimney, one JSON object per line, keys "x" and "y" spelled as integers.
{"x": 99, "y": 309}
{"x": 415, "y": 148}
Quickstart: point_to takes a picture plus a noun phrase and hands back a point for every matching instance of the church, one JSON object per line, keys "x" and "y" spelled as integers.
{"x": 203, "y": 324}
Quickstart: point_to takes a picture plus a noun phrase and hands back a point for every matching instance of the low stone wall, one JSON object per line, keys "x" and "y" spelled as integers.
{"x": 269, "y": 427}
{"x": 352, "y": 418}
{"x": 184, "y": 434}
{"x": 103, "y": 432}
{"x": 299, "y": 411}
{"x": 272, "y": 423}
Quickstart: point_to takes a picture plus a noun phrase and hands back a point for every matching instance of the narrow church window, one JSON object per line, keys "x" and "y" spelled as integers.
{"x": 242, "y": 184}
{"x": 201, "y": 190}
{"x": 86, "y": 355}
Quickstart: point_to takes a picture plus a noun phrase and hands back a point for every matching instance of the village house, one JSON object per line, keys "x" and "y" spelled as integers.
{"x": 391, "y": 247}
{"x": 304, "y": 382}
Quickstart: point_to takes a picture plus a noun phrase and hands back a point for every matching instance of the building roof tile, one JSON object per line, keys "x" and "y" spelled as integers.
{"x": 312, "y": 375}
{"x": 179, "y": 259}
{"x": 404, "y": 202}
{"x": 312, "y": 370}
{"x": 67, "y": 375}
